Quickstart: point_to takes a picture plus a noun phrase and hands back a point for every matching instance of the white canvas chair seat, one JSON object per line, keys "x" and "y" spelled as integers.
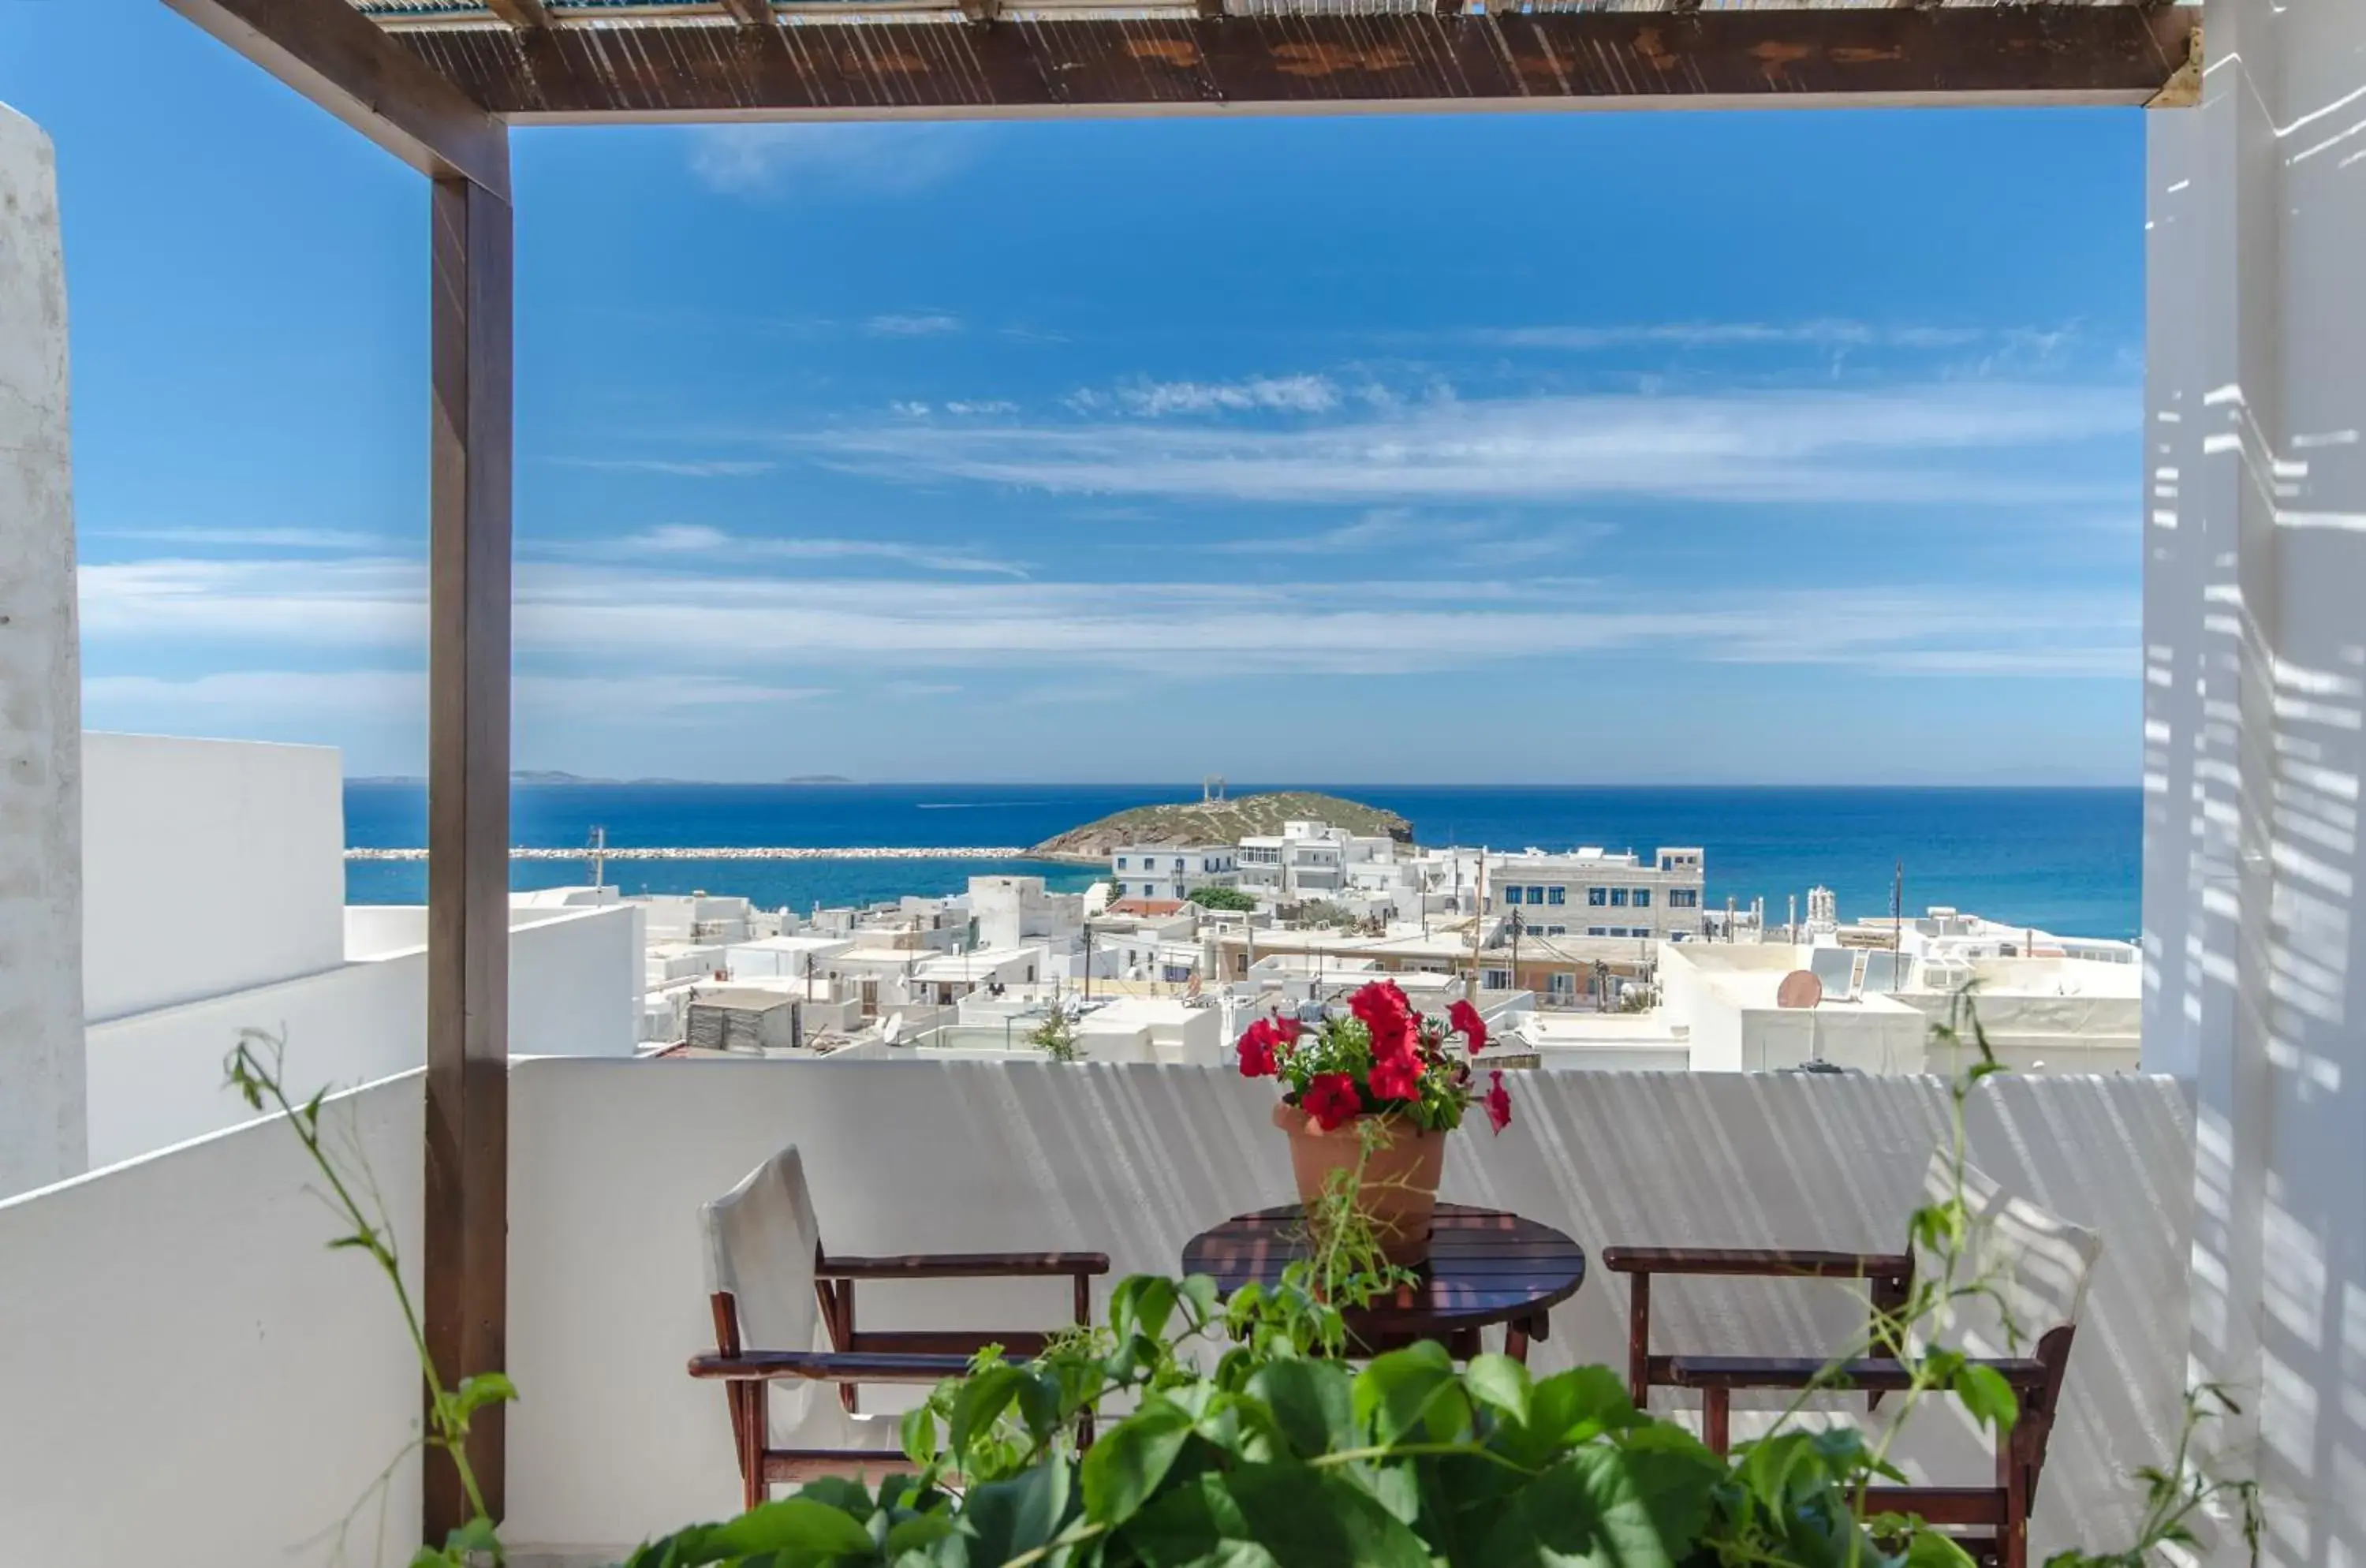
{"x": 767, "y": 1275}
{"x": 761, "y": 1240}
{"x": 2035, "y": 1264}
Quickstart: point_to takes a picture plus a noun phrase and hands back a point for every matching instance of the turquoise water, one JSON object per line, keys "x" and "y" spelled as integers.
{"x": 2065, "y": 859}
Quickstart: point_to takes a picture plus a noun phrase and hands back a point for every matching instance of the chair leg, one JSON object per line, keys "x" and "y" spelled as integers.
{"x": 1638, "y": 1340}
{"x": 2012, "y": 1476}
{"x": 1716, "y": 1420}
{"x": 753, "y": 1417}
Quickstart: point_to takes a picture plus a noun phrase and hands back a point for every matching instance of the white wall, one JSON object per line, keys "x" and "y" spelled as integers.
{"x": 611, "y": 1160}
{"x": 190, "y": 1375}
{"x": 374, "y": 930}
{"x": 156, "y": 1077}
{"x": 2255, "y": 569}
{"x": 40, "y": 686}
{"x": 185, "y": 1303}
{"x": 208, "y": 867}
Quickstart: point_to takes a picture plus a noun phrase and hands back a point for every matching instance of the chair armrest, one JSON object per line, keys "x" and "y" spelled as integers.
{"x": 829, "y": 1366}
{"x": 1875, "y": 1376}
{"x": 964, "y": 1265}
{"x": 1758, "y": 1262}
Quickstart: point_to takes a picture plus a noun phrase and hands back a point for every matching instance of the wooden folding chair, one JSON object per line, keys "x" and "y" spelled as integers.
{"x": 774, "y": 1290}
{"x": 2038, "y": 1266}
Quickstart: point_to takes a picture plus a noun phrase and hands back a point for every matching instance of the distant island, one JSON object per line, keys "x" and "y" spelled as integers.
{"x": 1220, "y": 822}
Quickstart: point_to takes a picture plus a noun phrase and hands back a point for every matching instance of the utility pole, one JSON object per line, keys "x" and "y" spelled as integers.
{"x": 1515, "y": 950}
{"x": 1478, "y": 912}
{"x": 599, "y": 856}
{"x": 1896, "y": 907}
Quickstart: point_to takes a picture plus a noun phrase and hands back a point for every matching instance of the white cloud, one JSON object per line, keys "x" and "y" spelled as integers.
{"x": 987, "y": 406}
{"x": 346, "y": 693}
{"x": 1289, "y": 394}
{"x": 693, "y": 539}
{"x": 303, "y": 694}
{"x": 748, "y": 623}
{"x": 259, "y": 539}
{"x": 893, "y": 158}
{"x": 933, "y": 323}
{"x": 1946, "y": 443}
{"x": 711, "y": 469}
{"x": 1498, "y": 543}
{"x": 1820, "y": 334}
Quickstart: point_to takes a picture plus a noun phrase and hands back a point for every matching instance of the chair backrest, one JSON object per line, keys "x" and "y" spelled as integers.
{"x": 2033, "y": 1264}
{"x": 761, "y": 1239}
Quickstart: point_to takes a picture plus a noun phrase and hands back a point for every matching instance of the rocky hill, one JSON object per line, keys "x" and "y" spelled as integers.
{"x": 1220, "y": 822}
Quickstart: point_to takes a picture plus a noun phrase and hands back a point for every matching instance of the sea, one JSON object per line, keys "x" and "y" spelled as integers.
{"x": 2065, "y": 860}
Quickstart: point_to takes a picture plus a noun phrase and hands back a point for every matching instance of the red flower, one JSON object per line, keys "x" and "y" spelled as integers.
{"x": 1465, "y": 1017}
{"x": 1256, "y": 1050}
{"x": 1499, "y": 1103}
{"x": 1396, "y": 1077}
{"x": 1332, "y": 1101}
{"x": 1286, "y": 1031}
{"x": 1389, "y": 1017}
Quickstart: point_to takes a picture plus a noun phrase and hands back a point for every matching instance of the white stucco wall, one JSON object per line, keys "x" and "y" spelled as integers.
{"x": 209, "y": 866}
{"x": 259, "y": 1354}
{"x": 610, "y": 1161}
{"x": 41, "y": 1092}
{"x": 156, "y": 1077}
{"x": 190, "y": 1374}
{"x": 2255, "y": 656}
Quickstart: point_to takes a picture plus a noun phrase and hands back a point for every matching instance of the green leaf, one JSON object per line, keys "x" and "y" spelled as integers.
{"x": 980, "y": 1403}
{"x": 1197, "y": 1524}
{"x": 1987, "y": 1396}
{"x": 1124, "y": 1469}
{"x": 1142, "y": 1304}
{"x": 918, "y": 1431}
{"x": 1005, "y": 1519}
{"x": 1412, "y": 1393}
{"x": 919, "y": 1531}
{"x": 1201, "y": 1294}
{"x": 1314, "y": 1403}
{"x": 1608, "y": 1506}
{"x": 477, "y": 1535}
{"x": 1929, "y": 1549}
{"x": 1500, "y": 1383}
{"x": 1570, "y": 1408}
{"x": 799, "y": 1525}
{"x": 1310, "y": 1520}
{"x": 482, "y": 1389}
{"x": 842, "y": 1492}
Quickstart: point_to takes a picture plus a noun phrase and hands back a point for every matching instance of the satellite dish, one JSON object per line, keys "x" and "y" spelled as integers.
{"x": 1799, "y": 990}
{"x": 892, "y": 1028}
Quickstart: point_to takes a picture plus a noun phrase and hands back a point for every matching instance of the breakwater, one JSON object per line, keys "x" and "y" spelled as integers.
{"x": 742, "y": 852}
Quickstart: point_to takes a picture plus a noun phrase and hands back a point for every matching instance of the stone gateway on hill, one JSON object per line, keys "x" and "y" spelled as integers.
{"x": 1220, "y": 822}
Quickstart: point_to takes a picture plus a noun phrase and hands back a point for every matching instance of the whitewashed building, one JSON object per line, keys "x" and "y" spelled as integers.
{"x": 1171, "y": 871}
{"x": 1596, "y": 892}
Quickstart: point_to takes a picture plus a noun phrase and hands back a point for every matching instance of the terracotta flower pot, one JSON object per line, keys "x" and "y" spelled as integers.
{"x": 1398, "y": 1191}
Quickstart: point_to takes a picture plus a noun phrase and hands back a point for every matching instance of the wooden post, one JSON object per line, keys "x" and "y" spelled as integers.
{"x": 466, "y": 1251}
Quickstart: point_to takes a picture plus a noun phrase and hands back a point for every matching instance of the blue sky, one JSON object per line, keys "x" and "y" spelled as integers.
{"x": 1532, "y": 448}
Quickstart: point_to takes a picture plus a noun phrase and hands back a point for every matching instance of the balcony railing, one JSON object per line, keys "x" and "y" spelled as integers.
{"x": 203, "y": 1375}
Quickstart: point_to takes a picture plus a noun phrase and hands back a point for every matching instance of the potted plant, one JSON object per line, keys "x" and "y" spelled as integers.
{"x": 1376, "y": 1092}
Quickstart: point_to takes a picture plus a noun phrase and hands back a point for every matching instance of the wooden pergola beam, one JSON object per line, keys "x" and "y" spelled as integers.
{"x": 339, "y": 59}
{"x": 525, "y": 13}
{"x": 662, "y": 69}
{"x": 466, "y": 1255}
{"x": 750, "y": 13}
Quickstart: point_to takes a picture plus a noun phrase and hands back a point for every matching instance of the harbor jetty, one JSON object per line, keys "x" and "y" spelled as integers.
{"x": 735, "y": 852}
